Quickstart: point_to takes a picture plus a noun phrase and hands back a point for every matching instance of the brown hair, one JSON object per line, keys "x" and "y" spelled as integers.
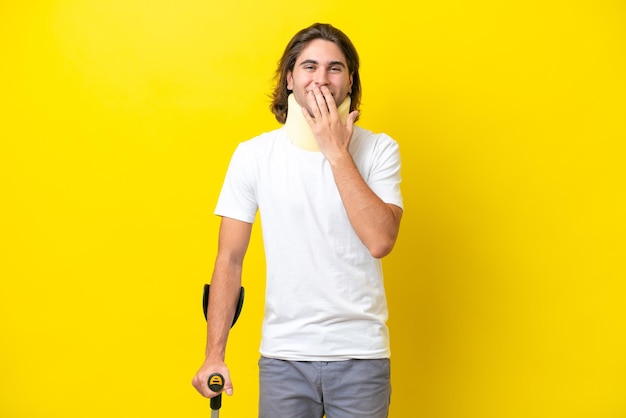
{"x": 293, "y": 50}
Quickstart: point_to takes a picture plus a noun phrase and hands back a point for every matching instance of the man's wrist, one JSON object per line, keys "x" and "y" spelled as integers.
{"x": 215, "y": 356}
{"x": 342, "y": 162}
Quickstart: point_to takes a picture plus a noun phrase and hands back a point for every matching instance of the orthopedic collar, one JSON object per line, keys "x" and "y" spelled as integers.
{"x": 298, "y": 129}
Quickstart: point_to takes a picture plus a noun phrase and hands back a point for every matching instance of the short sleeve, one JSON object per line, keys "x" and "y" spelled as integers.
{"x": 237, "y": 198}
{"x": 384, "y": 177}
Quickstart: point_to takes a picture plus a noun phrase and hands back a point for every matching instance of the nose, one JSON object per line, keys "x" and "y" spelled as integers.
{"x": 321, "y": 77}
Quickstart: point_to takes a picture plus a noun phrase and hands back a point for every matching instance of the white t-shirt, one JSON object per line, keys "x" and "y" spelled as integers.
{"x": 325, "y": 299}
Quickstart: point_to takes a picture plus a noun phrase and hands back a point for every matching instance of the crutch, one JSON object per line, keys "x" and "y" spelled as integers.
{"x": 216, "y": 380}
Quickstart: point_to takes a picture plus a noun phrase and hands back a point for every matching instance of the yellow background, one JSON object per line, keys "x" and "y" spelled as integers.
{"x": 118, "y": 118}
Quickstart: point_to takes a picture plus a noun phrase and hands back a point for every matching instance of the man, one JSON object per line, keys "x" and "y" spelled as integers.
{"x": 330, "y": 205}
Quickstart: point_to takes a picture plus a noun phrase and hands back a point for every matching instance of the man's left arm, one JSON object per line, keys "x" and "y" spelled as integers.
{"x": 375, "y": 222}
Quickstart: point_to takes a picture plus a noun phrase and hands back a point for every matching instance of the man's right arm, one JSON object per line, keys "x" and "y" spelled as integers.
{"x": 234, "y": 238}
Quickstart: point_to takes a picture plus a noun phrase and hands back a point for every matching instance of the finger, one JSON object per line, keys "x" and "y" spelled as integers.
{"x": 351, "y": 119}
{"x": 329, "y": 100}
{"x": 320, "y": 100}
{"x": 228, "y": 390}
{"x": 308, "y": 117}
{"x": 312, "y": 103}
{"x": 228, "y": 385}
{"x": 202, "y": 387}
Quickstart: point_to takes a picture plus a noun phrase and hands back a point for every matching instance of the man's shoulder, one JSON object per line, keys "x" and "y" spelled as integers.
{"x": 365, "y": 138}
{"x": 263, "y": 140}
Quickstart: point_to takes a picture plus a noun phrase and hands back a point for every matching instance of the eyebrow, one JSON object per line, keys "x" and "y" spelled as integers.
{"x": 331, "y": 63}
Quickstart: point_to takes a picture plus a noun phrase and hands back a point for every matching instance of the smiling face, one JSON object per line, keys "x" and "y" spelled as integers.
{"x": 320, "y": 63}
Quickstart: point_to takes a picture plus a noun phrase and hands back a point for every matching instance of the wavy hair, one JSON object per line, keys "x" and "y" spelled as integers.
{"x": 293, "y": 50}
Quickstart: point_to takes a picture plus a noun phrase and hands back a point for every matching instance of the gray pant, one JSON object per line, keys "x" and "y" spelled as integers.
{"x": 310, "y": 389}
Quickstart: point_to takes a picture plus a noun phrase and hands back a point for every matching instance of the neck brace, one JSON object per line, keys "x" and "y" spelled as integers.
{"x": 298, "y": 129}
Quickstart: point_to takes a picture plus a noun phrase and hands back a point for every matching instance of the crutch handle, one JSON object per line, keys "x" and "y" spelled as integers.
{"x": 216, "y": 384}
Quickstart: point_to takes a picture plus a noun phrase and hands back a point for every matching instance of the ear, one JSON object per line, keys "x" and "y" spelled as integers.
{"x": 290, "y": 80}
{"x": 351, "y": 81}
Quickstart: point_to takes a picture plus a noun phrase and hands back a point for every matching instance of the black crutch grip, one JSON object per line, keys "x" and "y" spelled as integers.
{"x": 216, "y": 384}
{"x": 216, "y": 402}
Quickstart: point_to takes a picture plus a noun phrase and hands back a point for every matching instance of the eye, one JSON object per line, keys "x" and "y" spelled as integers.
{"x": 336, "y": 69}
{"x": 309, "y": 67}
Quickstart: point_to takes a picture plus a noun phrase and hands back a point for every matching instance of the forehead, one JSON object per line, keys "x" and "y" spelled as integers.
{"x": 322, "y": 51}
